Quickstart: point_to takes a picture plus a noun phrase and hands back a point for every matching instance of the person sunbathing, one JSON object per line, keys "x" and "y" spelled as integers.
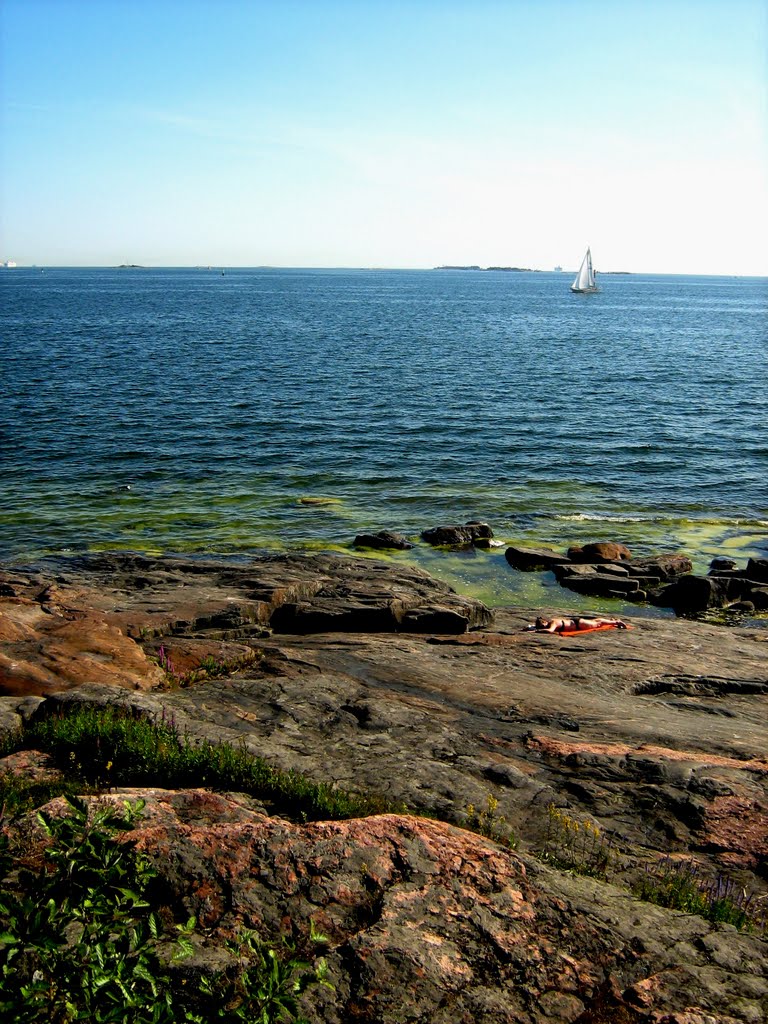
{"x": 576, "y": 624}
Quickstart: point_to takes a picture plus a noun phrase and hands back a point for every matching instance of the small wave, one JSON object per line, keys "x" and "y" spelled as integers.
{"x": 721, "y": 521}
{"x": 597, "y": 517}
{"x": 607, "y": 517}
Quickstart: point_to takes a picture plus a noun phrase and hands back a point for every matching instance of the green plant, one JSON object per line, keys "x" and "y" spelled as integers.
{"x": 267, "y": 988}
{"x": 18, "y": 794}
{"x": 80, "y": 940}
{"x": 208, "y": 667}
{"x": 679, "y": 886}
{"x": 112, "y": 747}
{"x": 578, "y": 846}
{"x": 488, "y": 823}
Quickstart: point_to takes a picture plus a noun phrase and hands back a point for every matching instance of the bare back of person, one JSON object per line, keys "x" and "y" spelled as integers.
{"x": 575, "y": 624}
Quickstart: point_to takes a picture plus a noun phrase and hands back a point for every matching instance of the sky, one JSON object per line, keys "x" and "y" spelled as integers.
{"x": 385, "y": 133}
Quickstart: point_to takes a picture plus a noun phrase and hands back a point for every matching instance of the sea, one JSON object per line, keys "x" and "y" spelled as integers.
{"x": 231, "y": 412}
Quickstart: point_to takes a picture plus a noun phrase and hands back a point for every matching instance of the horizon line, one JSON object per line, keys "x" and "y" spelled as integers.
{"x": 455, "y": 268}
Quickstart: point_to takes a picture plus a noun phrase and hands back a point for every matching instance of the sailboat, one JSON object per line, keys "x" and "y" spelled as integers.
{"x": 585, "y": 279}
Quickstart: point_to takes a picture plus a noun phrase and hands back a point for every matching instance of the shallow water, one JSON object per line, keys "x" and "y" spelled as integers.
{"x": 190, "y": 410}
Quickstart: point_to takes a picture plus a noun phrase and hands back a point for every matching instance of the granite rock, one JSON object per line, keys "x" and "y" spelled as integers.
{"x": 431, "y": 924}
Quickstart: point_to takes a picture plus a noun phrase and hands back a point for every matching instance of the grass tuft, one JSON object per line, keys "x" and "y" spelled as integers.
{"x": 678, "y": 885}
{"x": 208, "y": 668}
{"x": 578, "y": 846}
{"x": 107, "y": 747}
{"x": 488, "y": 822}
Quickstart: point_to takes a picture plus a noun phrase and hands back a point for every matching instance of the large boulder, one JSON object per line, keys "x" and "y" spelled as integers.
{"x": 691, "y": 594}
{"x": 365, "y": 596}
{"x": 757, "y": 569}
{"x": 718, "y": 589}
{"x": 14, "y": 712}
{"x": 597, "y": 584}
{"x": 665, "y": 566}
{"x": 634, "y": 581}
{"x": 599, "y": 551}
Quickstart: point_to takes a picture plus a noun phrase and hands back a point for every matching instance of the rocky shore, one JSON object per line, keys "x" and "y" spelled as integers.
{"x": 606, "y": 569}
{"x": 382, "y": 680}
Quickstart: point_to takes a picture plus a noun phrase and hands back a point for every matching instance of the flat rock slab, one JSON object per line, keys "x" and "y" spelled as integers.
{"x": 71, "y": 621}
{"x": 657, "y": 733}
{"x": 306, "y": 593}
{"x": 45, "y": 648}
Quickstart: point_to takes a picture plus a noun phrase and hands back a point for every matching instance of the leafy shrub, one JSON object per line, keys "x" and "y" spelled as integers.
{"x": 80, "y": 941}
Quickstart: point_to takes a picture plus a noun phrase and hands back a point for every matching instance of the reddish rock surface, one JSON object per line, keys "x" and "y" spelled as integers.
{"x": 432, "y": 924}
{"x": 600, "y": 551}
{"x": 45, "y": 650}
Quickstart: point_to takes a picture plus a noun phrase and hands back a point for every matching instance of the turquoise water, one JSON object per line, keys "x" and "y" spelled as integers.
{"x": 192, "y": 411}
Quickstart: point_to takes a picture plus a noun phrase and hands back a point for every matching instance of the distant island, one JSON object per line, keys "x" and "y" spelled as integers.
{"x": 514, "y": 270}
{"x": 131, "y": 266}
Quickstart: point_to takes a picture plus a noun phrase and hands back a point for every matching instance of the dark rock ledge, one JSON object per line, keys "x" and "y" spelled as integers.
{"x": 657, "y": 735}
{"x": 666, "y": 580}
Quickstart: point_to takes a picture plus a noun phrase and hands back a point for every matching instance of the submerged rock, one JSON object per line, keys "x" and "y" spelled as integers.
{"x": 383, "y": 539}
{"x": 458, "y": 536}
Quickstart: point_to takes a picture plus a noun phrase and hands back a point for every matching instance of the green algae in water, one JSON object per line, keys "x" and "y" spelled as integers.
{"x": 187, "y": 516}
{"x": 487, "y": 576}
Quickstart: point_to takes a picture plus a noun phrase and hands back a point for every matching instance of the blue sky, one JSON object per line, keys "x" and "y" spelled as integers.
{"x": 385, "y": 133}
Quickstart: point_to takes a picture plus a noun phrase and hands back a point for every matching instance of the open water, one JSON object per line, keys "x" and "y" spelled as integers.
{"x": 192, "y": 410}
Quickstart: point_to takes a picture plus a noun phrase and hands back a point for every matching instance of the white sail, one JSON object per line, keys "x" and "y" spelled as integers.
{"x": 585, "y": 279}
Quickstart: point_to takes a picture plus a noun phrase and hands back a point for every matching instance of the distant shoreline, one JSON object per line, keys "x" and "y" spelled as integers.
{"x": 41, "y": 268}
